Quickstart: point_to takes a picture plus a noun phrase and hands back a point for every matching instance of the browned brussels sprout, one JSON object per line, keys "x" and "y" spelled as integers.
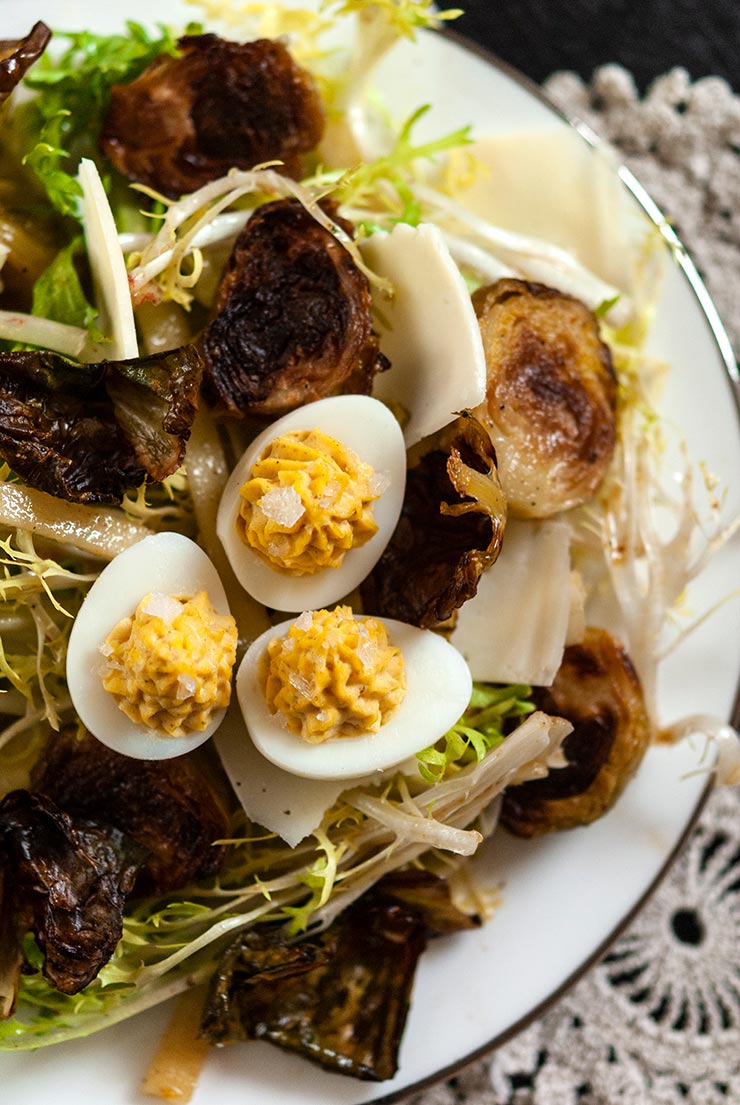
{"x": 450, "y": 530}
{"x": 187, "y": 120}
{"x": 291, "y": 322}
{"x": 66, "y": 881}
{"x": 169, "y": 807}
{"x": 598, "y": 690}
{"x": 88, "y": 432}
{"x": 17, "y": 57}
{"x": 551, "y": 396}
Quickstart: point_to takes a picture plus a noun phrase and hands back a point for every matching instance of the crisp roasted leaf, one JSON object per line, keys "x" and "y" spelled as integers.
{"x": 69, "y": 884}
{"x": 451, "y": 529}
{"x": 88, "y": 432}
{"x": 16, "y": 58}
{"x": 347, "y": 1012}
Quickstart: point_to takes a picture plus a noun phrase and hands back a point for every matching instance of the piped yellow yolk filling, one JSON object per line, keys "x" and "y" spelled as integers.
{"x": 333, "y": 675}
{"x": 169, "y": 665}
{"x": 308, "y": 500}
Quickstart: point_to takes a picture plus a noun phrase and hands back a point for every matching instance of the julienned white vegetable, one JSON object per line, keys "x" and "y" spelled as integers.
{"x": 108, "y": 266}
{"x": 428, "y": 330}
{"x": 16, "y": 326}
{"x": 514, "y": 629}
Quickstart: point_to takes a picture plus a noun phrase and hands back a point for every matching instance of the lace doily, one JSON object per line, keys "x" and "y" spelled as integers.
{"x": 657, "y": 1022}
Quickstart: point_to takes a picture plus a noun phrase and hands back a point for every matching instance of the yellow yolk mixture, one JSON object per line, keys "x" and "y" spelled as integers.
{"x": 333, "y": 675}
{"x": 306, "y": 502}
{"x": 169, "y": 666}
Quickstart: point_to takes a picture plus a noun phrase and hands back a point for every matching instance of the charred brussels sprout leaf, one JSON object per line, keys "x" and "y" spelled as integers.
{"x": 69, "y": 884}
{"x": 340, "y": 999}
{"x": 16, "y": 58}
{"x": 347, "y": 1013}
{"x": 291, "y": 321}
{"x": 187, "y": 120}
{"x": 88, "y": 432}
{"x": 167, "y": 806}
{"x": 598, "y": 690}
{"x": 451, "y": 529}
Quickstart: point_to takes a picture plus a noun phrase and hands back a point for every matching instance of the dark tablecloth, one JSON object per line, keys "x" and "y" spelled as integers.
{"x": 648, "y": 37}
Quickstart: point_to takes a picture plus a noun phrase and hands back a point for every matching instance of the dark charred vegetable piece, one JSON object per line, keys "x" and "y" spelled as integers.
{"x": 16, "y": 58}
{"x": 89, "y": 432}
{"x": 339, "y": 999}
{"x": 169, "y": 807}
{"x": 291, "y": 322}
{"x": 597, "y": 689}
{"x": 450, "y": 530}
{"x": 348, "y": 1012}
{"x": 427, "y": 896}
{"x": 67, "y": 883}
{"x": 252, "y": 959}
{"x": 551, "y": 396}
{"x": 11, "y": 952}
{"x": 188, "y": 120}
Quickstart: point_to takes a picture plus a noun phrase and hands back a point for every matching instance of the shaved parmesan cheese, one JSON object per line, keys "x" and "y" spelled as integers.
{"x": 581, "y": 207}
{"x": 108, "y": 266}
{"x": 428, "y": 331}
{"x": 283, "y": 803}
{"x": 514, "y": 629}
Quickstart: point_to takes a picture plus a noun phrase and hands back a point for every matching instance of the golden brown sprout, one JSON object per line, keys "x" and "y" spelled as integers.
{"x": 551, "y": 396}
{"x": 598, "y": 690}
{"x": 188, "y": 120}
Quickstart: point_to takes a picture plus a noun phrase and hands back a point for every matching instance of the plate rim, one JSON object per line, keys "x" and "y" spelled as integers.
{"x": 723, "y": 344}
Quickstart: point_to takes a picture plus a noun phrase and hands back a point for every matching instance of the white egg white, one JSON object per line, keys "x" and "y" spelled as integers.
{"x": 429, "y": 330}
{"x": 366, "y": 427}
{"x": 165, "y": 563}
{"x": 438, "y": 687}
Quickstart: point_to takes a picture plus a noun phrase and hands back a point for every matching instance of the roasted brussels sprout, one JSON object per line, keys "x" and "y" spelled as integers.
{"x": 67, "y": 882}
{"x": 598, "y": 690}
{"x": 88, "y": 432}
{"x": 291, "y": 322}
{"x": 551, "y": 396}
{"x": 450, "y": 531}
{"x": 168, "y": 807}
{"x": 339, "y": 999}
{"x": 187, "y": 120}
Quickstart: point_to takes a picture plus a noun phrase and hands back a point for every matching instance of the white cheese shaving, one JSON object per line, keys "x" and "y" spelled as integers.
{"x": 108, "y": 266}
{"x": 428, "y": 330}
{"x": 514, "y": 629}
{"x": 282, "y": 803}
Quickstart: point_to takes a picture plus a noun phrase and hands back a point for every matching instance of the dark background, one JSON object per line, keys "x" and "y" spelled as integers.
{"x": 647, "y": 36}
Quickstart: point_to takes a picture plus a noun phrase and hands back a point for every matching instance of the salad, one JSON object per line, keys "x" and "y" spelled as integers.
{"x": 305, "y": 454}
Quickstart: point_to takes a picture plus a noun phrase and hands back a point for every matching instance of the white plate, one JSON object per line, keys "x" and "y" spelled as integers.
{"x": 563, "y": 897}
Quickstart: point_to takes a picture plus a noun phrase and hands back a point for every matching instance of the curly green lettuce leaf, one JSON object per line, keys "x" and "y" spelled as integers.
{"x": 482, "y": 727}
{"x": 62, "y": 123}
{"x": 58, "y": 294}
